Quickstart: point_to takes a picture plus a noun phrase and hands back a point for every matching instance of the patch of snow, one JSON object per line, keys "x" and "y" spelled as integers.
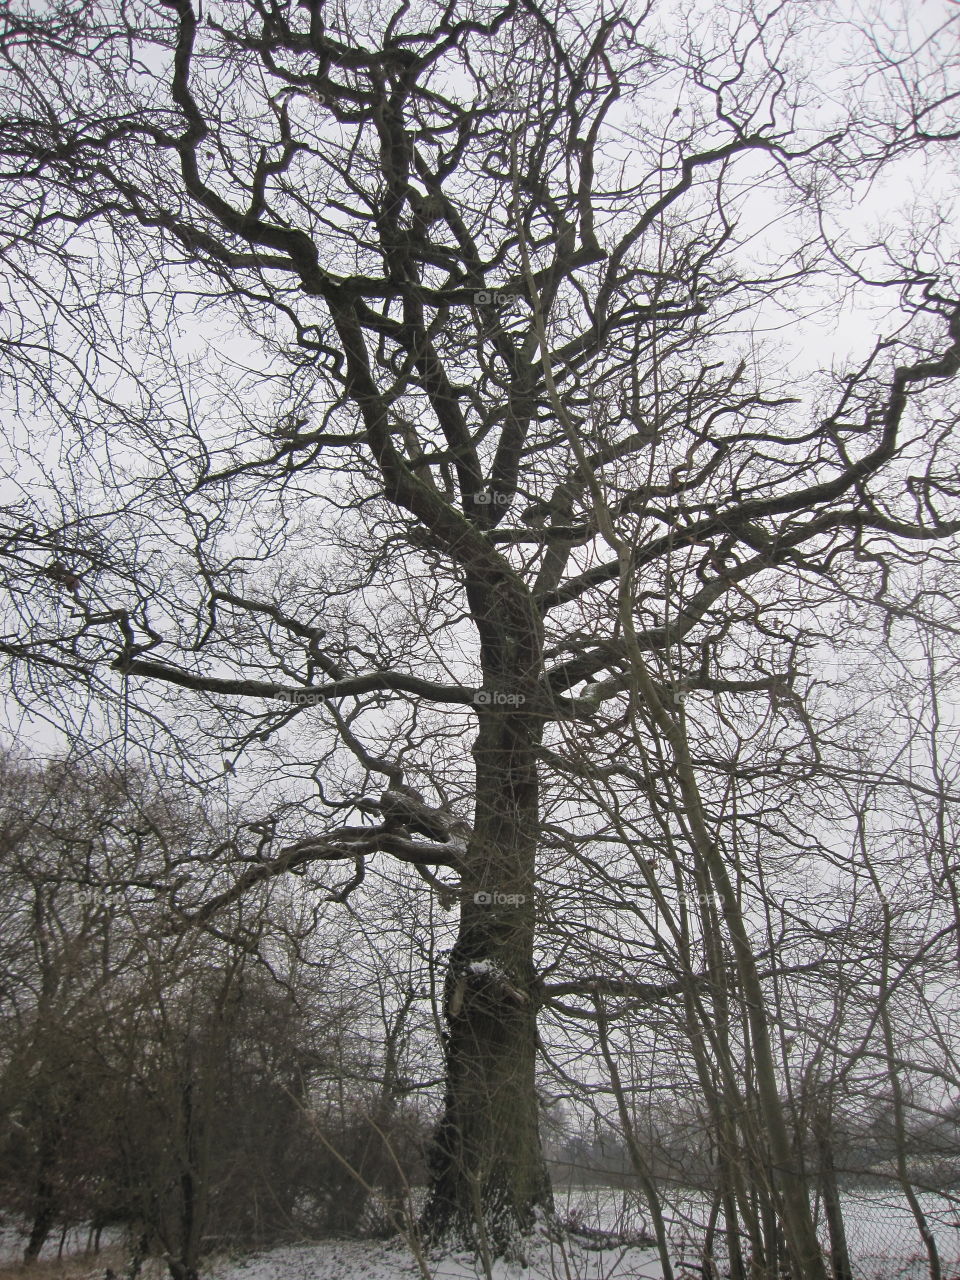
{"x": 375, "y": 1260}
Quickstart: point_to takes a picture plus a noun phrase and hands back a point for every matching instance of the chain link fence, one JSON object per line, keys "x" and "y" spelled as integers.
{"x": 883, "y": 1237}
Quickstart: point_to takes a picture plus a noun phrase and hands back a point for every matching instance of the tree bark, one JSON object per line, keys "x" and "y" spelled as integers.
{"x": 489, "y": 1177}
{"x": 830, "y": 1192}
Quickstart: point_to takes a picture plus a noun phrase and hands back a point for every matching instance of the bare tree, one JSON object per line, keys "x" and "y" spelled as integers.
{"x": 475, "y": 449}
{"x": 157, "y": 1078}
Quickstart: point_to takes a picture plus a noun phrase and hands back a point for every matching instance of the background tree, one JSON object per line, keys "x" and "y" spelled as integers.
{"x": 172, "y": 1082}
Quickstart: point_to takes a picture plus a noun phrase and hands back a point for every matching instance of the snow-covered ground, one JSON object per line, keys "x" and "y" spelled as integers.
{"x": 368, "y": 1261}
{"x": 12, "y": 1243}
{"x": 375, "y": 1260}
{"x": 882, "y": 1235}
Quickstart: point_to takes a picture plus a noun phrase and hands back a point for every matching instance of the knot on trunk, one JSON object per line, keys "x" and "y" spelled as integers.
{"x": 485, "y": 982}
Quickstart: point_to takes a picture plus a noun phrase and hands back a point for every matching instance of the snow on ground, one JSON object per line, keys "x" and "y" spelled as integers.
{"x": 882, "y": 1235}
{"x": 370, "y": 1260}
{"x": 14, "y": 1238}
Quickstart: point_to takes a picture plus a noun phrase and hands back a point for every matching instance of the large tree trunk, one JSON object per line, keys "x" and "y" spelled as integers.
{"x": 488, "y": 1172}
